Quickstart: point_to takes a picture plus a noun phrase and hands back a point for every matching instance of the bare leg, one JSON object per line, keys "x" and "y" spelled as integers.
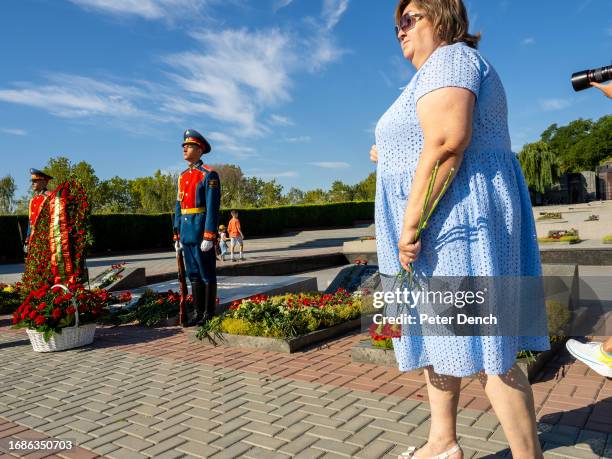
{"x": 443, "y": 392}
{"x": 512, "y": 400}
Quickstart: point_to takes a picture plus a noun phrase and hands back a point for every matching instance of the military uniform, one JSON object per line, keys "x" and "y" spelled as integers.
{"x": 36, "y": 202}
{"x": 195, "y": 220}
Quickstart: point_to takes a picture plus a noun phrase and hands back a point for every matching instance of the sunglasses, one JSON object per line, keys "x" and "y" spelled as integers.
{"x": 407, "y": 22}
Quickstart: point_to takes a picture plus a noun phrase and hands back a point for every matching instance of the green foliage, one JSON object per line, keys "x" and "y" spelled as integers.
{"x": 581, "y": 145}
{"x": 7, "y": 194}
{"x": 285, "y": 316}
{"x": 151, "y": 309}
{"x": 117, "y": 232}
{"x": 558, "y": 318}
{"x": 539, "y": 165}
{"x": 116, "y": 196}
{"x": 11, "y": 297}
{"x": 61, "y": 169}
{"x": 154, "y": 194}
{"x": 366, "y": 189}
{"x": 570, "y": 239}
{"x": 11, "y": 247}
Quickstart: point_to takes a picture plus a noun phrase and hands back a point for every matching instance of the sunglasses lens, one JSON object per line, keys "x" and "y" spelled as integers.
{"x": 405, "y": 22}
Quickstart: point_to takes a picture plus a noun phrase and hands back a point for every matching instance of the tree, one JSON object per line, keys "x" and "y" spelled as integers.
{"x": 317, "y": 196}
{"x": 232, "y": 179}
{"x": 22, "y": 205}
{"x": 61, "y": 170}
{"x": 7, "y": 194}
{"x": 366, "y": 189}
{"x": 340, "y": 192}
{"x": 115, "y": 196}
{"x": 294, "y": 196}
{"x": 84, "y": 173}
{"x": 539, "y": 165}
{"x": 155, "y": 194}
{"x": 271, "y": 194}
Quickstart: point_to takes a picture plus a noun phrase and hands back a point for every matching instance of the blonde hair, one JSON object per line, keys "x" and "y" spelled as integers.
{"x": 449, "y": 19}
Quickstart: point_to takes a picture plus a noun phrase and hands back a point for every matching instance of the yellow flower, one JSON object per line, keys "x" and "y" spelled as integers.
{"x": 8, "y": 289}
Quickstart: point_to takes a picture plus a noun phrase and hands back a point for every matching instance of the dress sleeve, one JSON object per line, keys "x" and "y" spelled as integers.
{"x": 450, "y": 66}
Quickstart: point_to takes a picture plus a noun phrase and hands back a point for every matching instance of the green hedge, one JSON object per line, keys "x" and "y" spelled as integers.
{"x": 10, "y": 244}
{"x": 122, "y": 232}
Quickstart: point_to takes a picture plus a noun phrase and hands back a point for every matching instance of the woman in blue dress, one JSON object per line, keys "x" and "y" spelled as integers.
{"x": 453, "y": 112}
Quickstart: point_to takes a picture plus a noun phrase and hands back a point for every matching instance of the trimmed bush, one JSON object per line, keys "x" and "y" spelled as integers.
{"x": 124, "y": 232}
{"x": 10, "y": 244}
{"x": 568, "y": 239}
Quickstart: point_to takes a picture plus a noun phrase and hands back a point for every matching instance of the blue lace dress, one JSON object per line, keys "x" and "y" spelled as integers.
{"x": 482, "y": 227}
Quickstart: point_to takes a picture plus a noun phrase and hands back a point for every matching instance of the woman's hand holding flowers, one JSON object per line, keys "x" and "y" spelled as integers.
{"x": 408, "y": 249}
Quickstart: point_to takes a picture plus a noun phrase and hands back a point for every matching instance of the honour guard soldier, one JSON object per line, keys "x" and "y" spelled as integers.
{"x": 195, "y": 222}
{"x": 40, "y": 180}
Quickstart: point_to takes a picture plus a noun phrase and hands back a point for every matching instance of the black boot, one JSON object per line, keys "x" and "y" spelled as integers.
{"x": 210, "y": 289}
{"x": 199, "y": 302}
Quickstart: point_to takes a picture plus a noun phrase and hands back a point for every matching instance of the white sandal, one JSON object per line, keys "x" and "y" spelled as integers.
{"x": 409, "y": 453}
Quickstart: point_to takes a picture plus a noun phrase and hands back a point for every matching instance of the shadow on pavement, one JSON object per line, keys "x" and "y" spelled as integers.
{"x": 569, "y": 428}
{"x": 125, "y": 335}
{"x": 19, "y": 342}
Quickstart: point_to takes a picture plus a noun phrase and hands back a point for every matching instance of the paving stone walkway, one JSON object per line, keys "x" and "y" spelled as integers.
{"x": 151, "y": 393}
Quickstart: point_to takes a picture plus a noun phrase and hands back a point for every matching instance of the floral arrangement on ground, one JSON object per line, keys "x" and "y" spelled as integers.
{"x": 11, "y": 297}
{"x": 151, "y": 309}
{"x": 285, "y": 316}
{"x": 50, "y": 309}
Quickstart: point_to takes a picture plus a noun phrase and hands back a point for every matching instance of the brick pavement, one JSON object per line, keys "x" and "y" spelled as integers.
{"x": 151, "y": 393}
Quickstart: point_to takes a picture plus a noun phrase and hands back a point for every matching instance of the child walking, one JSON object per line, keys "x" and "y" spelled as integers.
{"x": 236, "y": 236}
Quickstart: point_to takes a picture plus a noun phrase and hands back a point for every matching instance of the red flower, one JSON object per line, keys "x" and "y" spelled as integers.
{"x": 70, "y": 310}
{"x": 32, "y": 315}
{"x": 125, "y": 297}
{"x": 56, "y": 313}
{"x": 39, "y": 320}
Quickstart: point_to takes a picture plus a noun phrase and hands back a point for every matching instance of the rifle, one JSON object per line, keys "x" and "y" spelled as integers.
{"x": 182, "y": 282}
{"x": 21, "y": 237}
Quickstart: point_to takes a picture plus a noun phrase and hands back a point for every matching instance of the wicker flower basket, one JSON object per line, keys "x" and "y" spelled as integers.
{"x": 70, "y": 337}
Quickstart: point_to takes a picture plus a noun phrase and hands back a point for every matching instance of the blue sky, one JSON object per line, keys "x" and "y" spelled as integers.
{"x": 286, "y": 89}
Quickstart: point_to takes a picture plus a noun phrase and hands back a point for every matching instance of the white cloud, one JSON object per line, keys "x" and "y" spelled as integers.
{"x": 279, "y": 120}
{"x": 237, "y": 77}
{"x": 224, "y": 143}
{"x": 333, "y": 11}
{"x": 280, "y": 4}
{"x": 79, "y": 97}
{"x": 331, "y": 165}
{"x": 528, "y": 41}
{"x": 554, "y": 104}
{"x": 147, "y": 9}
{"x": 298, "y": 139}
{"x": 14, "y": 131}
{"x": 238, "y": 73}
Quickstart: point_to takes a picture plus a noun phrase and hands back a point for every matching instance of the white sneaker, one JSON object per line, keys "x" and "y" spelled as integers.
{"x": 592, "y": 355}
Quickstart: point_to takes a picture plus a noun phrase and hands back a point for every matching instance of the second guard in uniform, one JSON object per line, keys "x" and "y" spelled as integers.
{"x": 195, "y": 222}
{"x": 40, "y": 180}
